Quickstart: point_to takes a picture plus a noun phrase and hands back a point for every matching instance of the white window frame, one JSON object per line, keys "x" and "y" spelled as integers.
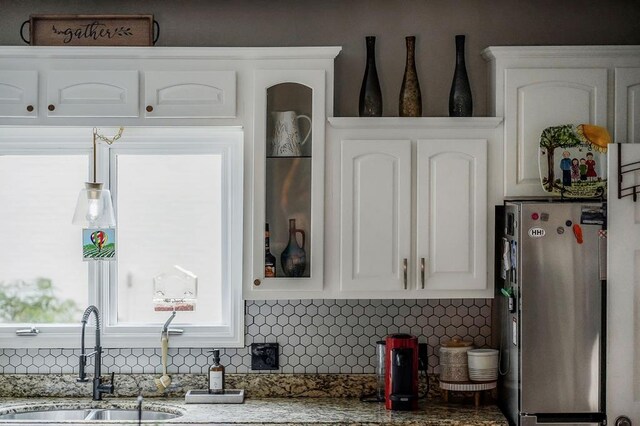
{"x": 47, "y": 141}
{"x": 184, "y": 140}
{"x": 227, "y": 141}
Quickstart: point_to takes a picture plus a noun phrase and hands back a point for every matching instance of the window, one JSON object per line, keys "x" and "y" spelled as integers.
{"x": 178, "y": 197}
{"x": 41, "y": 278}
{"x": 171, "y": 217}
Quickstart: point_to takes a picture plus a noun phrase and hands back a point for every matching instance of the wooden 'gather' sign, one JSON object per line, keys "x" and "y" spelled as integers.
{"x": 91, "y": 30}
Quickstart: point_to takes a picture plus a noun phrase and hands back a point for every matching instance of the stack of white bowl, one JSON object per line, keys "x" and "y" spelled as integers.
{"x": 483, "y": 365}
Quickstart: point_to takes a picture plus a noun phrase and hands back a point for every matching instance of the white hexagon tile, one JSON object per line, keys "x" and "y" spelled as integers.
{"x": 315, "y": 336}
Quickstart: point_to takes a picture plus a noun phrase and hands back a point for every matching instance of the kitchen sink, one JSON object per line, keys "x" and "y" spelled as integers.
{"x": 93, "y": 414}
{"x": 51, "y": 415}
{"x": 121, "y": 414}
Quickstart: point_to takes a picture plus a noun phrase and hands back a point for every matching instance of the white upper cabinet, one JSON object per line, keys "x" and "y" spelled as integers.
{"x": 190, "y": 94}
{"x": 271, "y": 93}
{"x": 538, "y": 98}
{"x": 451, "y": 215}
{"x": 288, "y": 189}
{"x": 146, "y": 86}
{"x": 537, "y": 87}
{"x": 627, "y": 109}
{"x": 376, "y": 215}
{"x": 18, "y": 94}
{"x": 290, "y": 104}
{"x": 410, "y": 211}
{"x": 73, "y": 93}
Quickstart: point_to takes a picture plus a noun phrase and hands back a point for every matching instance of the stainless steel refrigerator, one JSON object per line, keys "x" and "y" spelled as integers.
{"x": 551, "y": 269}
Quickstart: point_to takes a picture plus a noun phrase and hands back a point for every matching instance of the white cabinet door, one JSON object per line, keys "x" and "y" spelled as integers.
{"x": 623, "y": 292}
{"x": 627, "y": 95}
{"x": 287, "y": 187}
{"x": 190, "y": 94}
{"x": 19, "y": 94}
{"x": 375, "y": 220}
{"x": 536, "y": 98}
{"x": 451, "y": 215}
{"x": 92, "y": 93}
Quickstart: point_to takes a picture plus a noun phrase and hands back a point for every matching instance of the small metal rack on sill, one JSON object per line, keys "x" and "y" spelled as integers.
{"x": 622, "y": 170}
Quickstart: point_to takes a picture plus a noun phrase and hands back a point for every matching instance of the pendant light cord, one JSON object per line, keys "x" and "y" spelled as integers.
{"x": 108, "y": 141}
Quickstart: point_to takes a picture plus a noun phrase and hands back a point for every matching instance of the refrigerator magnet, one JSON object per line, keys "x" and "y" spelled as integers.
{"x": 536, "y": 232}
{"x": 592, "y": 215}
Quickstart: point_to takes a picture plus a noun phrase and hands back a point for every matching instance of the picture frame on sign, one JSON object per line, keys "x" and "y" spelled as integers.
{"x": 573, "y": 160}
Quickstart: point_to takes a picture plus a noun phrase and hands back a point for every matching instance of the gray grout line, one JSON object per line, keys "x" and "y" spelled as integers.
{"x": 315, "y": 336}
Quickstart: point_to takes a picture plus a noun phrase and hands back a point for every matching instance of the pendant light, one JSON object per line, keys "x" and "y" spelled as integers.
{"x": 94, "y": 208}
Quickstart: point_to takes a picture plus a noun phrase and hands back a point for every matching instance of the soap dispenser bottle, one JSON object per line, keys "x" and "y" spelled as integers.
{"x": 216, "y": 374}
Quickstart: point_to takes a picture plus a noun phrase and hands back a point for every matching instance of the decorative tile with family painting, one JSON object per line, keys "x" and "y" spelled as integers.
{"x": 573, "y": 160}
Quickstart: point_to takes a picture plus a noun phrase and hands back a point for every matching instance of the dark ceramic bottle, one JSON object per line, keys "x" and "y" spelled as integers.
{"x": 294, "y": 258}
{"x": 370, "y": 104}
{"x": 410, "y": 96}
{"x": 460, "y": 101}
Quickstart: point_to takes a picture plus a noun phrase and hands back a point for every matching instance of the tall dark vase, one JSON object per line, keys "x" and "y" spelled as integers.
{"x": 294, "y": 258}
{"x": 370, "y": 104}
{"x": 410, "y": 96}
{"x": 460, "y": 101}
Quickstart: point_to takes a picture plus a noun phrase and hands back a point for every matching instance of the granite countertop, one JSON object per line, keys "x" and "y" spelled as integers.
{"x": 281, "y": 411}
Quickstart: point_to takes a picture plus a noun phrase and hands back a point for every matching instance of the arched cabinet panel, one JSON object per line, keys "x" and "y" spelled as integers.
{"x": 190, "y": 94}
{"x": 73, "y": 93}
{"x": 627, "y": 110}
{"x": 451, "y": 214}
{"x": 375, "y": 214}
{"x": 18, "y": 94}
{"x": 537, "y": 98}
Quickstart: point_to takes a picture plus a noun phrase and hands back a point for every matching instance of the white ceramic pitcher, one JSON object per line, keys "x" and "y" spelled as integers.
{"x": 286, "y": 136}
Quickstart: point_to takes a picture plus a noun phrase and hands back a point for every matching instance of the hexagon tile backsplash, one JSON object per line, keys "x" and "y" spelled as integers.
{"x": 315, "y": 336}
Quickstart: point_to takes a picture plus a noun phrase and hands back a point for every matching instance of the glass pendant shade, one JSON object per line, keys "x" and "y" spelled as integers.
{"x": 94, "y": 208}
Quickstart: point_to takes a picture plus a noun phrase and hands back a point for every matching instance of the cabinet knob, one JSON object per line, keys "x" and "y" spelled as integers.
{"x": 257, "y": 282}
{"x": 30, "y": 108}
{"x": 51, "y": 107}
{"x": 149, "y": 108}
{"x": 623, "y": 421}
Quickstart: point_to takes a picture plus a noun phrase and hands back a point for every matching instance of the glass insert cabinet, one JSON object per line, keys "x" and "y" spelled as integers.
{"x": 288, "y": 186}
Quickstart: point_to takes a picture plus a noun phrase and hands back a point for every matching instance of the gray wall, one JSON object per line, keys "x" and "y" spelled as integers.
{"x": 346, "y": 22}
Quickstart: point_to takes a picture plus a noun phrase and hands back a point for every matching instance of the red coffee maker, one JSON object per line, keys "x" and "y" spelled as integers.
{"x": 401, "y": 367}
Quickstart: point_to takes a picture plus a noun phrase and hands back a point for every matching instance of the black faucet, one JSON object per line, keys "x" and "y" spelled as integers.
{"x": 98, "y": 387}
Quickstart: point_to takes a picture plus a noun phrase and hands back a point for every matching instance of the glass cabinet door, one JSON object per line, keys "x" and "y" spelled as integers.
{"x": 288, "y": 184}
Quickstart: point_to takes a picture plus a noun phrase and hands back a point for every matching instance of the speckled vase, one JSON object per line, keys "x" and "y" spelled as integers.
{"x": 410, "y": 96}
{"x": 460, "y": 101}
{"x": 370, "y": 104}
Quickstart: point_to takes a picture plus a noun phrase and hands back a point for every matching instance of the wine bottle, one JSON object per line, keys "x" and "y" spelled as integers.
{"x": 370, "y": 104}
{"x": 460, "y": 100}
{"x": 269, "y": 259}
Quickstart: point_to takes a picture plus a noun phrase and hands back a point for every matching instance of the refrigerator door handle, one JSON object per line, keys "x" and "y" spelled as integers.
{"x": 602, "y": 255}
